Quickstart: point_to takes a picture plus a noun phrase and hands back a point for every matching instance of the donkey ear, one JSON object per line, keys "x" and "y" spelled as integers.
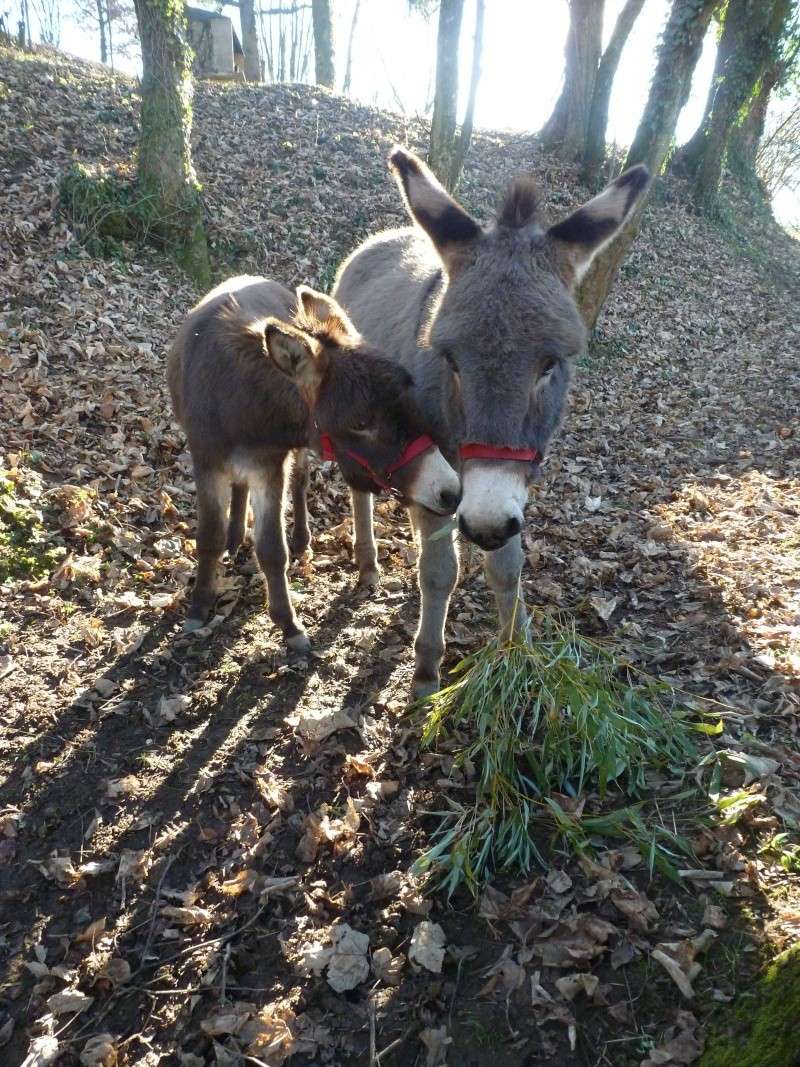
{"x": 298, "y": 356}
{"x": 580, "y": 236}
{"x": 321, "y": 310}
{"x": 446, "y": 223}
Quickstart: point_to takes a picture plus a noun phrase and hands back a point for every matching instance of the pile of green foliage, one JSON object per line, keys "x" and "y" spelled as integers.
{"x": 545, "y": 727}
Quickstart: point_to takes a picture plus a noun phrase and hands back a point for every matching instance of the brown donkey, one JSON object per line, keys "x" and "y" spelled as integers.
{"x": 485, "y": 320}
{"x": 255, "y": 374}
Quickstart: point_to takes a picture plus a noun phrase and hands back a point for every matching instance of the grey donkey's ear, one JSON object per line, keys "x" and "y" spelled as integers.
{"x": 300, "y": 357}
{"x": 323, "y": 312}
{"x": 446, "y": 223}
{"x": 580, "y": 236}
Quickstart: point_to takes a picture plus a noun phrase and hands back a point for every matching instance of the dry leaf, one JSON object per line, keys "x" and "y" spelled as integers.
{"x": 348, "y": 965}
{"x": 99, "y": 1051}
{"x": 435, "y": 1040}
{"x": 427, "y": 946}
{"x": 68, "y": 1001}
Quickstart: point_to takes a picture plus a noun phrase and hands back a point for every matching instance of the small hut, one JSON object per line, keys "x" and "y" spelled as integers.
{"x": 218, "y": 52}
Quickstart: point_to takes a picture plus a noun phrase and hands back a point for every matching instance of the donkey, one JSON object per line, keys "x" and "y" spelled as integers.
{"x": 255, "y": 374}
{"x": 485, "y": 319}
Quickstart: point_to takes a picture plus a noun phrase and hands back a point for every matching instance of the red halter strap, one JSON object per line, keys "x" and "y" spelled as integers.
{"x": 411, "y": 451}
{"x": 479, "y": 451}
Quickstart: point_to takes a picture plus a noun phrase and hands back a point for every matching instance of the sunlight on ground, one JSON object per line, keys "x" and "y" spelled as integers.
{"x": 745, "y": 538}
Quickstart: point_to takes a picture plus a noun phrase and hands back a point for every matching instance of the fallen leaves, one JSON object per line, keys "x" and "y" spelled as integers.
{"x": 427, "y": 946}
{"x": 345, "y": 958}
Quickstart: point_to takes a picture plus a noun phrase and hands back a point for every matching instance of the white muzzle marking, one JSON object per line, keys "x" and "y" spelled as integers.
{"x": 434, "y": 482}
{"x": 493, "y": 494}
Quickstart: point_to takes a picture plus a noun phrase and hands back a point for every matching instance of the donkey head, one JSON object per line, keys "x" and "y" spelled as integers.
{"x": 362, "y": 402}
{"x": 507, "y": 329}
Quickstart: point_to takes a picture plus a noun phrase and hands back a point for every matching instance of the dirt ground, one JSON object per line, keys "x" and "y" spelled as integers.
{"x": 189, "y": 823}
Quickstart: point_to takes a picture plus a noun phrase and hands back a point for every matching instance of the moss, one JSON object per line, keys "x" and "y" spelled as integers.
{"x": 25, "y": 548}
{"x": 762, "y": 1028}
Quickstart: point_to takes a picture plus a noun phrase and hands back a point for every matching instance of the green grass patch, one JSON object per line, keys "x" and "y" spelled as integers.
{"x": 566, "y": 742}
{"x": 26, "y": 549}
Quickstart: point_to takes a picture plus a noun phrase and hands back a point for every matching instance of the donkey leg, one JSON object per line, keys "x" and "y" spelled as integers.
{"x": 502, "y": 569}
{"x": 301, "y": 535}
{"x": 213, "y": 494}
{"x": 365, "y": 549}
{"x": 237, "y": 517}
{"x": 438, "y": 574}
{"x": 272, "y": 552}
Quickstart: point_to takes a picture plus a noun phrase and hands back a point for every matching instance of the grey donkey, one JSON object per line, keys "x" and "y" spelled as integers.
{"x": 484, "y": 318}
{"x": 256, "y": 374}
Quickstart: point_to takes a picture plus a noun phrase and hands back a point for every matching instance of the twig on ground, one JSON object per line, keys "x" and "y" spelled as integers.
{"x": 398, "y": 1041}
{"x": 373, "y": 1053}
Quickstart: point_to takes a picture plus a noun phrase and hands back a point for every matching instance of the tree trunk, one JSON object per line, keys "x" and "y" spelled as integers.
{"x": 595, "y": 146}
{"x": 252, "y": 56}
{"x": 323, "y": 41}
{"x": 166, "y": 174}
{"x": 565, "y": 130}
{"x": 747, "y": 133}
{"x": 681, "y": 44}
{"x": 445, "y": 101}
{"x": 465, "y": 135}
{"x": 101, "y": 25}
{"x": 348, "y": 72}
{"x": 110, "y": 38}
{"x": 757, "y": 26}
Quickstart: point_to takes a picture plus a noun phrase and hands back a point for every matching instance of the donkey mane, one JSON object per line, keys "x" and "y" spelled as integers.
{"x": 520, "y": 204}
{"x": 241, "y": 333}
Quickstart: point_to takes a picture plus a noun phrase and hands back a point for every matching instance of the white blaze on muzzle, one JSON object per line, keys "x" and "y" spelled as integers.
{"x": 494, "y": 494}
{"x": 436, "y": 485}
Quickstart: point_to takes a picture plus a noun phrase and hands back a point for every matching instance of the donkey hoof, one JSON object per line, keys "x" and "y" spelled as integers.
{"x": 192, "y": 623}
{"x": 369, "y": 578}
{"x": 299, "y": 545}
{"x": 422, "y": 688}
{"x": 299, "y": 642}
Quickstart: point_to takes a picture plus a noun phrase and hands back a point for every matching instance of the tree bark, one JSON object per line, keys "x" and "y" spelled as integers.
{"x": 681, "y": 44}
{"x": 680, "y": 50}
{"x": 445, "y": 101}
{"x": 595, "y": 145}
{"x": 110, "y": 35}
{"x": 465, "y": 136}
{"x": 166, "y": 174}
{"x": 348, "y": 71}
{"x": 101, "y": 25}
{"x": 747, "y": 133}
{"x": 565, "y": 131}
{"x": 756, "y": 26}
{"x": 252, "y": 55}
{"x": 322, "y": 16}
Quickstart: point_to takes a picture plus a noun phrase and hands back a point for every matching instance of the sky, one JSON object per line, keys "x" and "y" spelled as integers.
{"x": 523, "y": 58}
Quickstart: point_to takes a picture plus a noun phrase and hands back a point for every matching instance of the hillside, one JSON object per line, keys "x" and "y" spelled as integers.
{"x": 143, "y": 769}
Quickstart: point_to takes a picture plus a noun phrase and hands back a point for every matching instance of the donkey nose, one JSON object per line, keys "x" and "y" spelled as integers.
{"x": 449, "y": 499}
{"x": 513, "y": 527}
{"x": 488, "y": 541}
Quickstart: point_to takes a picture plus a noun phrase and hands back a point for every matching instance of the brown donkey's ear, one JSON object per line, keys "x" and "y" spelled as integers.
{"x": 446, "y": 223}
{"x": 300, "y": 357}
{"x": 323, "y": 312}
{"x": 580, "y": 236}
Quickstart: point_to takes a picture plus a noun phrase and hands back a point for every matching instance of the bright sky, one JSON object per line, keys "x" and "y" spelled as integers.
{"x": 394, "y": 56}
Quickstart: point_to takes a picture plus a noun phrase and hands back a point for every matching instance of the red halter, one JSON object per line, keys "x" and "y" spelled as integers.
{"x": 411, "y": 451}
{"x": 479, "y": 451}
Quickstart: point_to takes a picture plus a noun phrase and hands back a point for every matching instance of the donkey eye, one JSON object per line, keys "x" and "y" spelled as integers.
{"x": 361, "y": 427}
{"x": 548, "y": 366}
{"x": 448, "y": 355}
